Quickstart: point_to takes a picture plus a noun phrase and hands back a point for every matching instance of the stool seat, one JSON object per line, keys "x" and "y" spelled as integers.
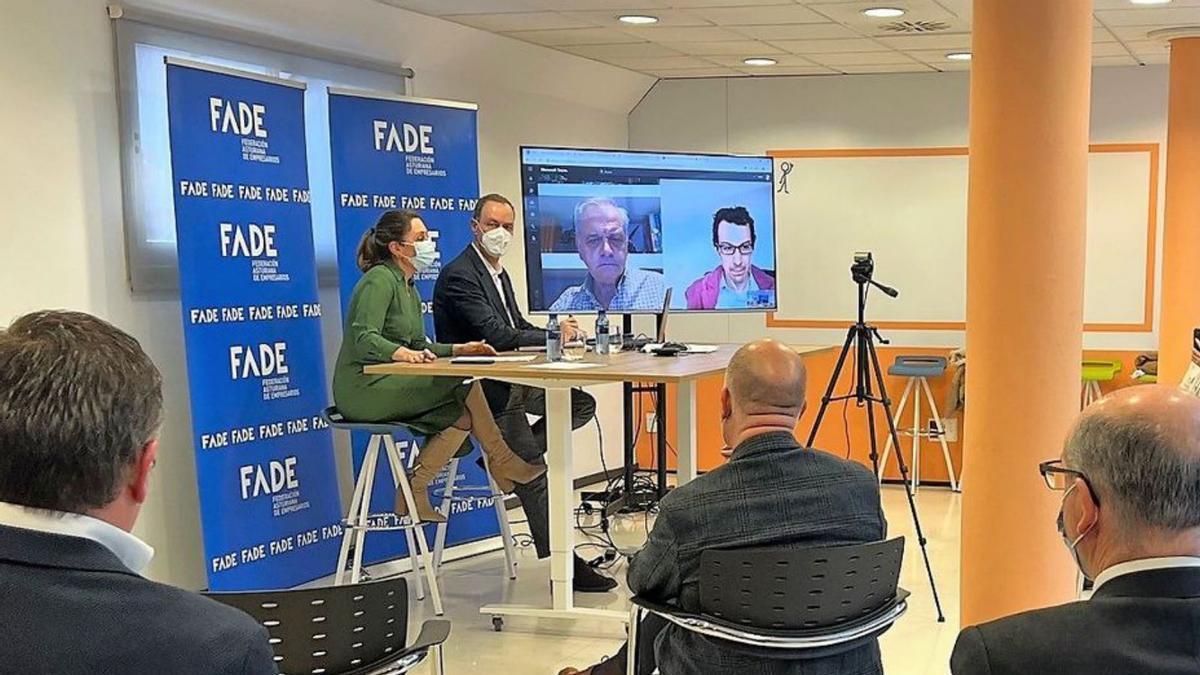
{"x": 1100, "y": 370}
{"x": 338, "y": 421}
{"x": 918, "y": 366}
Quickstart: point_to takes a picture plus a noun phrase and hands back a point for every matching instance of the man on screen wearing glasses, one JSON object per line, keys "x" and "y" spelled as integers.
{"x": 736, "y": 282}
{"x": 1130, "y": 518}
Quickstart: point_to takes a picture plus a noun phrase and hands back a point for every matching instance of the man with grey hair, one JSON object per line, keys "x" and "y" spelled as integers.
{"x": 772, "y": 493}
{"x": 602, "y": 239}
{"x": 80, "y": 408}
{"x": 1130, "y": 517}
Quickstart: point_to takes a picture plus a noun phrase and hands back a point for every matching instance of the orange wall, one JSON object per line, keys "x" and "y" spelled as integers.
{"x": 832, "y": 436}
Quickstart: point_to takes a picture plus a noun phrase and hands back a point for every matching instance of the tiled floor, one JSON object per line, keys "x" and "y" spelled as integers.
{"x": 917, "y": 645}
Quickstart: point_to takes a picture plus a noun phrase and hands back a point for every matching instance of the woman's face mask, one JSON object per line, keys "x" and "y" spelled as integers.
{"x": 425, "y": 254}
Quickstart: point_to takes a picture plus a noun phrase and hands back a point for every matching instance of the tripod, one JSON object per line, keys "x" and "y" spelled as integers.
{"x": 867, "y": 376}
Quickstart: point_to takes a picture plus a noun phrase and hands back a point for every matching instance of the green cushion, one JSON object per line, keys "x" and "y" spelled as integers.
{"x": 1100, "y": 370}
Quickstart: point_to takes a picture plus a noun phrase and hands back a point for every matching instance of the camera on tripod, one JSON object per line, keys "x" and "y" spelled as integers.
{"x": 862, "y": 270}
{"x": 863, "y": 267}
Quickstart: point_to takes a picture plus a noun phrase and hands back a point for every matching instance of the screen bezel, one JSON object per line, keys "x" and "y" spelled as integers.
{"x": 653, "y": 312}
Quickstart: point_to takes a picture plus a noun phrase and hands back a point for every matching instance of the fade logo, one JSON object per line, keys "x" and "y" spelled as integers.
{"x": 261, "y": 360}
{"x": 406, "y": 138}
{"x": 236, "y": 117}
{"x": 251, "y": 241}
{"x": 268, "y": 479}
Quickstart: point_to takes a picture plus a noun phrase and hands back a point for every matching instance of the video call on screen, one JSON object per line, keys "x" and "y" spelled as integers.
{"x": 615, "y": 229}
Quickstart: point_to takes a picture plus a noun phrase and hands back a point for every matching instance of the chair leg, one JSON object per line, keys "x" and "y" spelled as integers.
{"x": 438, "y": 666}
{"x": 351, "y": 520}
{"x": 887, "y": 447}
{"x": 941, "y": 433}
{"x": 364, "y": 510}
{"x": 439, "y": 540}
{"x": 635, "y": 620}
{"x": 510, "y": 557}
{"x": 424, "y": 558}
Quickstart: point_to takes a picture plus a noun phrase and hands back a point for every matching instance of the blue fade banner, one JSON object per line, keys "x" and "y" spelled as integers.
{"x": 392, "y": 152}
{"x": 269, "y": 502}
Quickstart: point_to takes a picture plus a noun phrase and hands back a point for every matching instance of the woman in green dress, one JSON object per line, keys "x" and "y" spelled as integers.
{"x": 384, "y": 324}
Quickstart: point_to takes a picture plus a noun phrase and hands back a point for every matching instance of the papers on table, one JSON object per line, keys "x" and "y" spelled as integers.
{"x": 503, "y": 358}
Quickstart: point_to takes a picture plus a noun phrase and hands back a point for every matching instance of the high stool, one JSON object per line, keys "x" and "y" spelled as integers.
{"x": 918, "y": 370}
{"x": 492, "y": 491}
{"x": 358, "y": 519}
{"x": 1095, "y": 372}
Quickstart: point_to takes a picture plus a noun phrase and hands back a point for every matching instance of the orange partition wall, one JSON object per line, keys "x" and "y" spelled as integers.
{"x": 832, "y": 436}
{"x": 1181, "y": 229}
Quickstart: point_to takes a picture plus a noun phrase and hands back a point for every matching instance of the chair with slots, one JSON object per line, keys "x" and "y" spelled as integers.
{"x": 359, "y": 629}
{"x": 805, "y": 603}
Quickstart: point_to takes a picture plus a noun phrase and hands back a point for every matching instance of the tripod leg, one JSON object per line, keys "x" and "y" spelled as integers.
{"x": 912, "y": 504}
{"x": 837, "y": 372}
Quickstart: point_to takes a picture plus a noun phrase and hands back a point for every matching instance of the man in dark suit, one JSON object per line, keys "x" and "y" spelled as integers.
{"x": 474, "y": 300}
{"x": 80, "y": 409}
{"x": 772, "y": 493}
{"x": 1130, "y": 516}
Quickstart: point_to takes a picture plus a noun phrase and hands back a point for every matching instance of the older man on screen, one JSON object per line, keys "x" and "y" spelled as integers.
{"x": 602, "y": 239}
{"x": 1130, "y": 517}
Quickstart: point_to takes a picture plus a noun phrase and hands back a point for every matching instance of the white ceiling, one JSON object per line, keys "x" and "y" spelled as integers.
{"x": 710, "y": 38}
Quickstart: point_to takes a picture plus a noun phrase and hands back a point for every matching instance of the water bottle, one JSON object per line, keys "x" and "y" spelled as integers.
{"x": 553, "y": 339}
{"x": 602, "y": 333}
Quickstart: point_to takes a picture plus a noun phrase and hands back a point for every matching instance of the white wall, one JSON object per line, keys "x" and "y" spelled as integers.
{"x": 60, "y": 177}
{"x": 755, "y": 115}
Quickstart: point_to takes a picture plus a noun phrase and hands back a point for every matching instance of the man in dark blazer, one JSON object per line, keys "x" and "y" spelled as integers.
{"x": 473, "y": 300}
{"x": 772, "y": 493}
{"x": 1130, "y": 516}
{"x": 80, "y": 409}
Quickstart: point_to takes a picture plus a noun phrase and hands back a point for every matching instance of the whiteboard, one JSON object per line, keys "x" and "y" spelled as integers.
{"x": 911, "y": 212}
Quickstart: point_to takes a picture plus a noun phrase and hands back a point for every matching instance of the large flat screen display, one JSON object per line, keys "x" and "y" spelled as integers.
{"x": 615, "y": 229}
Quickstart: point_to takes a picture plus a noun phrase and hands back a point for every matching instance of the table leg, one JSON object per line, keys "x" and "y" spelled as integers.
{"x": 561, "y": 483}
{"x": 560, "y": 461}
{"x": 685, "y": 431}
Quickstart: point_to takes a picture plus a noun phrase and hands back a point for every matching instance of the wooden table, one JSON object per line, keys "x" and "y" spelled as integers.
{"x": 683, "y": 371}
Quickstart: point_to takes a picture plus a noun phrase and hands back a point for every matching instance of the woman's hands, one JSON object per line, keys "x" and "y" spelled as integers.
{"x": 406, "y": 355}
{"x": 479, "y": 348}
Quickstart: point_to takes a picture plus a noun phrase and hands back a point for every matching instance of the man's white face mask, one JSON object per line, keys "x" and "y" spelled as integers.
{"x": 496, "y": 241}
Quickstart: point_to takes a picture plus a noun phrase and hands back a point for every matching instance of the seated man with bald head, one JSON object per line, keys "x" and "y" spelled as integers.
{"x": 1130, "y": 516}
{"x": 773, "y": 493}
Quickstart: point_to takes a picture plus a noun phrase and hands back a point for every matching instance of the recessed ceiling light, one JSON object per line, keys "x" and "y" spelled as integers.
{"x": 883, "y": 12}
{"x": 1150, "y": 2}
{"x": 760, "y": 61}
{"x": 959, "y": 56}
{"x": 638, "y": 19}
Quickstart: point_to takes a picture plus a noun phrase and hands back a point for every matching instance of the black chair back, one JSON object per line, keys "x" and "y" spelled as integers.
{"x": 332, "y": 630}
{"x": 800, "y": 589}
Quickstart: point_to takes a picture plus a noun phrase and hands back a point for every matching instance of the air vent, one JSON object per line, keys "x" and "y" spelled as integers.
{"x": 915, "y": 27}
